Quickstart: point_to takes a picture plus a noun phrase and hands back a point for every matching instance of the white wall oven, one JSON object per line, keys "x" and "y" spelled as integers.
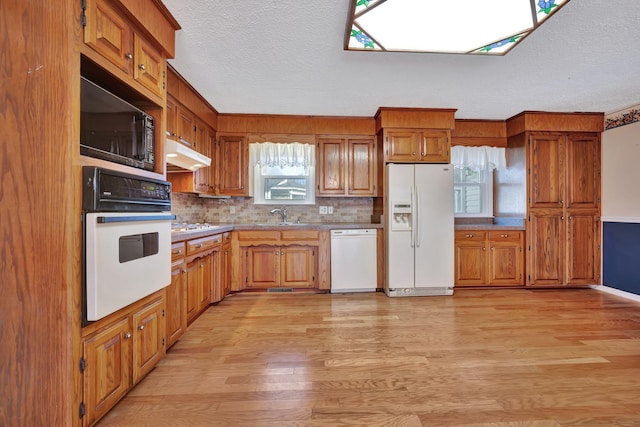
{"x": 127, "y": 239}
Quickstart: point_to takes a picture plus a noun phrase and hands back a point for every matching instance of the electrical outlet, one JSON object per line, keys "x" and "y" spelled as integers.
{"x": 330, "y": 210}
{"x": 232, "y": 209}
{"x": 323, "y": 210}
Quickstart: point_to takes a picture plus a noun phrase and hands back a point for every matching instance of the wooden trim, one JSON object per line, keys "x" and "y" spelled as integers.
{"x": 425, "y": 118}
{"x": 181, "y": 91}
{"x": 559, "y": 122}
{"x": 479, "y": 132}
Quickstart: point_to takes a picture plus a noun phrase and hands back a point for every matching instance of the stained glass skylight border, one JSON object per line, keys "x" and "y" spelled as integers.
{"x": 460, "y": 26}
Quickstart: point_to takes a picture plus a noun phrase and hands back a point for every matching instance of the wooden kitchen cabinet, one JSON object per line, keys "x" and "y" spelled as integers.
{"x": 202, "y": 177}
{"x": 107, "y": 373}
{"x": 488, "y": 258}
{"x": 118, "y": 352}
{"x": 148, "y": 338}
{"x": 279, "y": 258}
{"x": 201, "y": 271}
{"x": 417, "y": 145}
{"x": 110, "y": 34}
{"x": 346, "y": 166}
{"x": 233, "y": 158}
{"x": 176, "y": 302}
{"x": 280, "y": 267}
{"x": 185, "y": 126}
{"x": 226, "y": 264}
{"x": 564, "y": 213}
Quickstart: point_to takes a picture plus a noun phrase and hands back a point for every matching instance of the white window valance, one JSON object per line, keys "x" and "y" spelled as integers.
{"x": 478, "y": 158}
{"x": 274, "y": 154}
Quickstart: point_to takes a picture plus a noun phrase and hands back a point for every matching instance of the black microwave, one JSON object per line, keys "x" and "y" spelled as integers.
{"x": 112, "y": 129}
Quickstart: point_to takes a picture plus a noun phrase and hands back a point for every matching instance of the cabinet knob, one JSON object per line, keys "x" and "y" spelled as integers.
{"x": 504, "y": 235}
{"x": 129, "y": 56}
{"x": 484, "y": 249}
{"x": 199, "y": 245}
{"x": 142, "y": 67}
{"x": 127, "y": 335}
{"x": 468, "y": 236}
{"x": 492, "y": 248}
{"x": 413, "y": 154}
{"x": 421, "y": 154}
{"x": 141, "y": 327}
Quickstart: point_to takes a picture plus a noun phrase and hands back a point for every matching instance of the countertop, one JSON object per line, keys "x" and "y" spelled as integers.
{"x": 489, "y": 227}
{"x": 178, "y": 236}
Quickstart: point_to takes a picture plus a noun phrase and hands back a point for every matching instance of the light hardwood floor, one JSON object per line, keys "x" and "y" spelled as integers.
{"x": 538, "y": 358}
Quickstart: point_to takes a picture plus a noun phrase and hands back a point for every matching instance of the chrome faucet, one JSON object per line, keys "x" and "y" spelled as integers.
{"x": 282, "y": 212}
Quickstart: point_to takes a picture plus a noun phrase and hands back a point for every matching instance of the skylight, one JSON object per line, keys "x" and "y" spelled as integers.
{"x": 445, "y": 26}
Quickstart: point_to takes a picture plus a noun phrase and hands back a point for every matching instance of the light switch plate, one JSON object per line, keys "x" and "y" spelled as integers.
{"x": 330, "y": 210}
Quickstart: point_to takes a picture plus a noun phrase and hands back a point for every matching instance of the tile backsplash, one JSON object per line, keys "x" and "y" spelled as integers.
{"x": 191, "y": 208}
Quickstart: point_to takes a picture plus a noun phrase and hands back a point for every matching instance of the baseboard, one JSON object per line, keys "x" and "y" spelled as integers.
{"x": 617, "y": 292}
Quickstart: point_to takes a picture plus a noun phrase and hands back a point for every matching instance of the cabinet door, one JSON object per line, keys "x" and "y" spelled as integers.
{"x": 206, "y": 273}
{"x": 176, "y": 303}
{"x": 232, "y": 165}
{"x": 402, "y": 146}
{"x": 185, "y": 123}
{"x": 469, "y": 258}
{"x": 583, "y": 171}
{"x": 297, "y": 267}
{"x": 583, "y": 248}
{"x": 108, "y": 34}
{"x": 546, "y": 174}
{"x": 361, "y": 167}
{"x": 262, "y": 267}
{"x": 193, "y": 286}
{"x": 546, "y": 237}
{"x": 216, "y": 275}
{"x": 148, "y": 338}
{"x": 506, "y": 258}
{"x": 149, "y": 67}
{"x": 107, "y": 376}
{"x": 331, "y": 166}
{"x": 203, "y": 143}
{"x": 171, "y": 126}
{"x": 226, "y": 269}
{"x": 435, "y": 146}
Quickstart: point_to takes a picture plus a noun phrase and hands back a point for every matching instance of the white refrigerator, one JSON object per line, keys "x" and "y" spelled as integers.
{"x": 419, "y": 230}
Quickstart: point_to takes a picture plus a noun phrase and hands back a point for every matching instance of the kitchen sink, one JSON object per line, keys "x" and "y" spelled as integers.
{"x": 272, "y": 224}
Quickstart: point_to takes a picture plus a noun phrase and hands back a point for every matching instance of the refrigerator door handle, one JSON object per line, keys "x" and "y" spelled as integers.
{"x": 413, "y": 228}
{"x": 417, "y": 210}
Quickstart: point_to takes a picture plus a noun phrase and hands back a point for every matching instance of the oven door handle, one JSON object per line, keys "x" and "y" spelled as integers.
{"x": 136, "y": 218}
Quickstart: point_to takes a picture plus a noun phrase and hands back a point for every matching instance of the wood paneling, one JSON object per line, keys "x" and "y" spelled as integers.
{"x": 40, "y": 209}
{"x": 479, "y": 132}
{"x": 290, "y": 124}
{"x": 479, "y": 358}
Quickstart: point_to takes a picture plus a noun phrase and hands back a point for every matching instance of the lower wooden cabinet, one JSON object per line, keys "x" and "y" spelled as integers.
{"x": 199, "y": 276}
{"x": 117, "y": 355}
{"x": 176, "y": 302}
{"x": 485, "y": 258}
{"x": 280, "y": 266}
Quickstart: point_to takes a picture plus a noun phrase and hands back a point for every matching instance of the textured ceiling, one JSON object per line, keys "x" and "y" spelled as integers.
{"x": 287, "y": 57}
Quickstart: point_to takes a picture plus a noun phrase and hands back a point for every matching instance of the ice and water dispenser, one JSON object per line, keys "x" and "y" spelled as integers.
{"x": 401, "y": 216}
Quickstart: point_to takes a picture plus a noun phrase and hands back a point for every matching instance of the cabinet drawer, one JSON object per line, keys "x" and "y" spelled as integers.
{"x": 505, "y": 236}
{"x": 258, "y": 235}
{"x": 177, "y": 250}
{"x": 470, "y": 236}
{"x": 300, "y": 235}
{"x": 197, "y": 245}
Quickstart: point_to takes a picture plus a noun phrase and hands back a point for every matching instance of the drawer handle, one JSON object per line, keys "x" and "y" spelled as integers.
{"x": 504, "y": 235}
{"x": 198, "y": 246}
{"x": 468, "y": 236}
{"x": 179, "y": 251}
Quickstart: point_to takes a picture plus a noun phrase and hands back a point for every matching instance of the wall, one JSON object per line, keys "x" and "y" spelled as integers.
{"x": 621, "y": 200}
{"x": 191, "y": 208}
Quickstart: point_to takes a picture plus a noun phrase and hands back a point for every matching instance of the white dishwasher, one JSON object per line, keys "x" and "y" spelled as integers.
{"x": 354, "y": 260}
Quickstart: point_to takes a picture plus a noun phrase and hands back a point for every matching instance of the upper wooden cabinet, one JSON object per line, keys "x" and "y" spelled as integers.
{"x": 117, "y": 42}
{"x": 233, "y": 158}
{"x": 415, "y": 135}
{"x": 346, "y": 166}
{"x": 417, "y": 145}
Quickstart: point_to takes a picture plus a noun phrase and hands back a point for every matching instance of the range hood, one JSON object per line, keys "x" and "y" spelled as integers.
{"x": 183, "y": 157}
